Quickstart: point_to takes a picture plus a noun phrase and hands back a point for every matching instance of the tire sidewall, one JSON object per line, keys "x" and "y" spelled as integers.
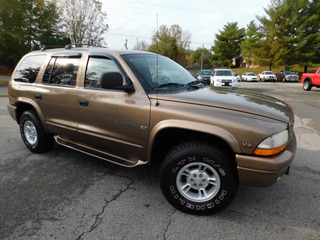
{"x": 307, "y": 85}
{"x": 44, "y": 139}
{"x": 223, "y": 197}
{"x": 28, "y": 116}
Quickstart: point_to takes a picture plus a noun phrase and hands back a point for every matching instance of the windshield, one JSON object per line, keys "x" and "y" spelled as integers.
{"x": 268, "y": 73}
{"x": 223, "y": 73}
{"x": 289, "y": 72}
{"x": 205, "y": 72}
{"x": 154, "y": 71}
{"x": 251, "y": 74}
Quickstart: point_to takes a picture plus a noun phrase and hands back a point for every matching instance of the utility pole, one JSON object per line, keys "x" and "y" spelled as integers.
{"x": 202, "y": 57}
{"x": 126, "y": 44}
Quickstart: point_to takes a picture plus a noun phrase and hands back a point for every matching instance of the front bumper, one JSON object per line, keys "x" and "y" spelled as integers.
{"x": 226, "y": 84}
{"x": 205, "y": 81}
{"x": 289, "y": 79}
{"x": 271, "y": 79}
{"x": 265, "y": 171}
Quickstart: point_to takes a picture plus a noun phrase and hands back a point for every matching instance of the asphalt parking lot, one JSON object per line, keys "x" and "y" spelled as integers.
{"x": 64, "y": 194}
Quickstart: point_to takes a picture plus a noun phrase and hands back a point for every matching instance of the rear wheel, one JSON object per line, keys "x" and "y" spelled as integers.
{"x": 307, "y": 85}
{"x": 33, "y": 134}
{"x": 198, "y": 178}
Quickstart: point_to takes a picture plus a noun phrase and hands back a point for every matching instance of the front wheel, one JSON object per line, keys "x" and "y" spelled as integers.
{"x": 307, "y": 85}
{"x": 198, "y": 178}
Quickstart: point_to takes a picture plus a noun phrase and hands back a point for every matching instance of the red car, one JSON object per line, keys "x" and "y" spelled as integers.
{"x": 311, "y": 79}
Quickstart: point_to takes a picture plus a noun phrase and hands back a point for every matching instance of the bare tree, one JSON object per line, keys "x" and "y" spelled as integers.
{"x": 141, "y": 45}
{"x": 84, "y": 21}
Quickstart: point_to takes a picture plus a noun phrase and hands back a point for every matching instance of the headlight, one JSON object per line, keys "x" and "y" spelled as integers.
{"x": 273, "y": 144}
{"x": 218, "y": 80}
{"x": 199, "y": 77}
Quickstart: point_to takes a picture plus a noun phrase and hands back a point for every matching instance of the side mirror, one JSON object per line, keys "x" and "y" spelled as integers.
{"x": 114, "y": 80}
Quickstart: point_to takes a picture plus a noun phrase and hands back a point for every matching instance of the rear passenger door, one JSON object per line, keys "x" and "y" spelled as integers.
{"x": 58, "y": 97}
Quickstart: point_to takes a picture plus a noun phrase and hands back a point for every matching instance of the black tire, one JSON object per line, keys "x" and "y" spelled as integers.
{"x": 33, "y": 134}
{"x": 307, "y": 85}
{"x": 201, "y": 161}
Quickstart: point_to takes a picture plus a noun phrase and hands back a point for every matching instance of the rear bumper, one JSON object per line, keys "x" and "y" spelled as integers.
{"x": 12, "y": 111}
{"x": 265, "y": 171}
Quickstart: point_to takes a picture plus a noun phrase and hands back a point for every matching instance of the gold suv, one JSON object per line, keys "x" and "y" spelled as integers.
{"x": 134, "y": 108}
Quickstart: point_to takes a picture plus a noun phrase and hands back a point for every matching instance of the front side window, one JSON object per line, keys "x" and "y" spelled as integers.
{"x": 29, "y": 68}
{"x": 62, "y": 71}
{"x": 96, "y": 67}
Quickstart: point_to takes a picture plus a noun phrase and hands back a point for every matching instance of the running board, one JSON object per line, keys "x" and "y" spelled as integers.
{"x": 98, "y": 153}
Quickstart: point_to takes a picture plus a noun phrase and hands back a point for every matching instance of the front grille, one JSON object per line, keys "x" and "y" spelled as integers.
{"x": 292, "y": 78}
{"x": 226, "y": 81}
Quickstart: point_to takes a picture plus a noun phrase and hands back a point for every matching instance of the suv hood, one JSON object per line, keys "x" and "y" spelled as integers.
{"x": 233, "y": 99}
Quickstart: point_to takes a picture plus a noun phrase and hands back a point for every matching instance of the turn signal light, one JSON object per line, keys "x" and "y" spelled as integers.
{"x": 269, "y": 152}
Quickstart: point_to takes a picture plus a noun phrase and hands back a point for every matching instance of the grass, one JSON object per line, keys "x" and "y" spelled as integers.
{"x": 3, "y": 84}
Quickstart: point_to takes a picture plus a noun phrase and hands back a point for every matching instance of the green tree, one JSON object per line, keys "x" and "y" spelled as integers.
{"x": 49, "y": 27}
{"x": 84, "y": 21}
{"x": 250, "y": 46}
{"x": 171, "y": 42}
{"x": 227, "y": 44}
{"x": 290, "y": 33}
{"x": 22, "y": 27}
{"x": 12, "y": 37}
{"x": 308, "y": 35}
{"x": 201, "y": 54}
{"x": 271, "y": 46}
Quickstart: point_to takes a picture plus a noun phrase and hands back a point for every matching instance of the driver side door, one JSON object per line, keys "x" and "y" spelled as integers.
{"x": 109, "y": 120}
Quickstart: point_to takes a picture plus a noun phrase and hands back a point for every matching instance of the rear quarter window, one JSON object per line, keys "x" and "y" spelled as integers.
{"x": 28, "y": 69}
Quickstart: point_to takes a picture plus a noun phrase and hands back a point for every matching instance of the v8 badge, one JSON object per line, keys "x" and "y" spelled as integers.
{"x": 247, "y": 145}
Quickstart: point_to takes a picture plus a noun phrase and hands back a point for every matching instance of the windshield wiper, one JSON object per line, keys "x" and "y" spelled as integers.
{"x": 195, "y": 84}
{"x": 168, "y": 85}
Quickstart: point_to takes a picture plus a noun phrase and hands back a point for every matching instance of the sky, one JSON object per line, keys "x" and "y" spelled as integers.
{"x": 137, "y": 20}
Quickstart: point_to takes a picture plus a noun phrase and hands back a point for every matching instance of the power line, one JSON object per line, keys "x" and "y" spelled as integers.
{"x": 150, "y": 38}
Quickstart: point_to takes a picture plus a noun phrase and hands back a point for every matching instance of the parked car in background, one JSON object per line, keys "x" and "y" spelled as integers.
{"x": 237, "y": 76}
{"x": 310, "y": 80}
{"x": 204, "y": 76}
{"x": 287, "y": 76}
{"x": 223, "y": 78}
{"x": 249, "y": 76}
{"x": 267, "y": 76}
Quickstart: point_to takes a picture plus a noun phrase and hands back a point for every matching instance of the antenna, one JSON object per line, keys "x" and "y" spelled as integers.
{"x": 157, "y": 103}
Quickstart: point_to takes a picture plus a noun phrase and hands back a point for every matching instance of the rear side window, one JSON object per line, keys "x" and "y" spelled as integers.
{"x": 62, "y": 71}
{"x": 29, "y": 68}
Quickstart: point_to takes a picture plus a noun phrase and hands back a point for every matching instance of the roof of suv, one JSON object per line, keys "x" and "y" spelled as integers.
{"x": 91, "y": 49}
